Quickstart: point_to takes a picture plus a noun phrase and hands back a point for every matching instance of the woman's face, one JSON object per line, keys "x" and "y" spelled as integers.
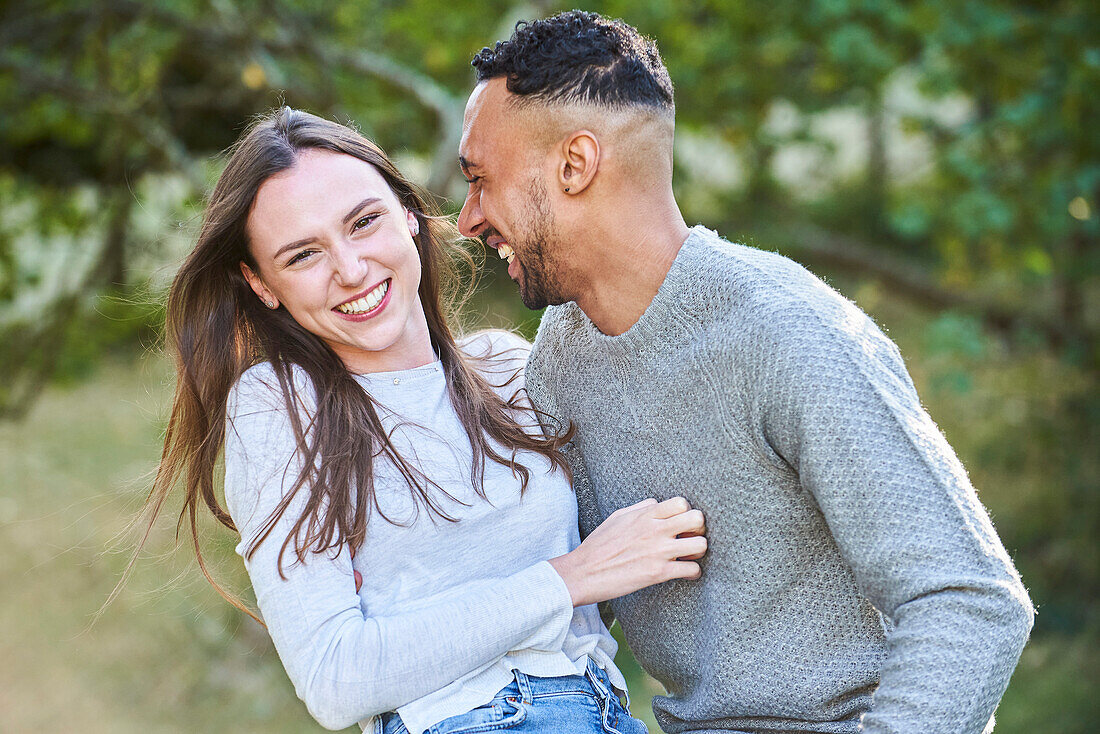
{"x": 334, "y": 246}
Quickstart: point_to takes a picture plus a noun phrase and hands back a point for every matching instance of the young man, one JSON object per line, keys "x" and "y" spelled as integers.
{"x": 853, "y": 578}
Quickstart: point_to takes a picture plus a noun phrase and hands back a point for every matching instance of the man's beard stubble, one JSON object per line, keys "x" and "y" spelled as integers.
{"x": 536, "y": 289}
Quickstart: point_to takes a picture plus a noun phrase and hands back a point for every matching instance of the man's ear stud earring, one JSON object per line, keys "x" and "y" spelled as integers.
{"x": 566, "y": 189}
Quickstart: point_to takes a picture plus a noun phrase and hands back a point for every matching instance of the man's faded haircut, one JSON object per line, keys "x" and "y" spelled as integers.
{"x": 579, "y": 57}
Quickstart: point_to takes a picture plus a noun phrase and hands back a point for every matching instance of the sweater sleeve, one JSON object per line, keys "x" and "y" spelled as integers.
{"x": 348, "y": 663}
{"x": 839, "y": 407}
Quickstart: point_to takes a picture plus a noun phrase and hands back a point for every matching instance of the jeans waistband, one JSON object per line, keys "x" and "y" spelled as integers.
{"x": 527, "y": 688}
{"x": 594, "y": 677}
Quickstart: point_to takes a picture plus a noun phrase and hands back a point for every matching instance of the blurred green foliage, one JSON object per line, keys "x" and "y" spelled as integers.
{"x": 937, "y": 160}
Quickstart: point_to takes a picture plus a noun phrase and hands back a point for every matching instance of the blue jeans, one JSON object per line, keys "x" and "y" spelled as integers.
{"x": 571, "y": 704}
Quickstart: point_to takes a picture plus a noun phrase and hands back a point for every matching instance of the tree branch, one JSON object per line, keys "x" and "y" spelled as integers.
{"x": 34, "y": 328}
{"x": 448, "y": 108}
{"x": 159, "y": 138}
{"x": 913, "y": 281}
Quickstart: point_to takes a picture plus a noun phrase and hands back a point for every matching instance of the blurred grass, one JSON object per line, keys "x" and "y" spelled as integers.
{"x": 170, "y": 655}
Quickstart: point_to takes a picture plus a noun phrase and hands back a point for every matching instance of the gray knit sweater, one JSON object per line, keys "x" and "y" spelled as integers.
{"x": 853, "y": 577}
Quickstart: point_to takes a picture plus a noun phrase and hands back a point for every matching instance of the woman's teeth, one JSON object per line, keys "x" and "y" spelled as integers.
{"x": 367, "y": 303}
{"x": 506, "y": 253}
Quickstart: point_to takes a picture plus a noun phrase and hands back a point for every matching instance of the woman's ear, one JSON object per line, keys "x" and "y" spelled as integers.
{"x": 414, "y": 223}
{"x": 258, "y": 287}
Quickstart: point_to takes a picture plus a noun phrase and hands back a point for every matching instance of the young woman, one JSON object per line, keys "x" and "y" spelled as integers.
{"x": 409, "y": 531}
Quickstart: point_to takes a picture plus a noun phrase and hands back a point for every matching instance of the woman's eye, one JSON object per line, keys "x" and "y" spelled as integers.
{"x": 364, "y": 221}
{"x": 471, "y": 180}
{"x": 300, "y": 257}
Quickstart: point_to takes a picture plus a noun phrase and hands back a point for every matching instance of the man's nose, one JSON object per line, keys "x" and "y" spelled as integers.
{"x": 471, "y": 222}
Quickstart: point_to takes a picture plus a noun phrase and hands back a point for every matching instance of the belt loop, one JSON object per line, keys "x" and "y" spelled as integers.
{"x": 523, "y": 683}
{"x": 602, "y": 682}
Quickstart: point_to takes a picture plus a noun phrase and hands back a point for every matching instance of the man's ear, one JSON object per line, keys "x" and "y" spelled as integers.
{"x": 258, "y": 287}
{"x": 580, "y": 160}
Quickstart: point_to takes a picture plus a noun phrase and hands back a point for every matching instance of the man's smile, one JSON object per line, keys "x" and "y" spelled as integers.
{"x": 505, "y": 251}
{"x": 501, "y": 246}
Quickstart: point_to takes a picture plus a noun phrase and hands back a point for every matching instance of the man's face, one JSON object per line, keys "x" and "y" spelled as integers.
{"x": 508, "y": 205}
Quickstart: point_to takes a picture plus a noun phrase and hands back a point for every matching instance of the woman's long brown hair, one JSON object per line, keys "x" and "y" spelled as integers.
{"x": 216, "y": 328}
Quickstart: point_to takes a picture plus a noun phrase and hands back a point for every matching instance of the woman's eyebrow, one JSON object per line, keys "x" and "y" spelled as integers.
{"x": 291, "y": 246}
{"x": 358, "y": 207}
{"x": 347, "y": 218}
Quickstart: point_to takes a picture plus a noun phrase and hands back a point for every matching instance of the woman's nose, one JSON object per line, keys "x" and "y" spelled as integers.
{"x": 349, "y": 266}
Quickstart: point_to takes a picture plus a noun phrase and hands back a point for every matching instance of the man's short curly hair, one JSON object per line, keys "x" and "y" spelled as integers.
{"x": 579, "y": 57}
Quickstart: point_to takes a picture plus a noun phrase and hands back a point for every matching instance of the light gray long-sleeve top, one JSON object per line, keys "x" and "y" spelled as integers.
{"x": 853, "y": 578}
{"x": 446, "y": 610}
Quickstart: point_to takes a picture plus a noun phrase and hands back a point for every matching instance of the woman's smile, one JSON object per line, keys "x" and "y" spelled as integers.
{"x": 366, "y": 305}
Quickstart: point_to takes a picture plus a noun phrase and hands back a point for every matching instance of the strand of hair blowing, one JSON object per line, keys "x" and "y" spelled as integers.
{"x": 216, "y": 329}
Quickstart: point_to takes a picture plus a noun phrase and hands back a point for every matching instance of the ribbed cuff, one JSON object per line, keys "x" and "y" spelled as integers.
{"x": 545, "y": 589}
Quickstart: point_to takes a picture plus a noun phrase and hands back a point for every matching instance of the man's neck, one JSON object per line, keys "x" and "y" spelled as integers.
{"x": 633, "y": 260}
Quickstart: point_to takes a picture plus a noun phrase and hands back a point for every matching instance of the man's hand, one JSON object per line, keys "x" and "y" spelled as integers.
{"x": 635, "y": 547}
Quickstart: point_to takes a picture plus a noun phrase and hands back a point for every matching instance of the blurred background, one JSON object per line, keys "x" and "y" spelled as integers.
{"x": 934, "y": 160}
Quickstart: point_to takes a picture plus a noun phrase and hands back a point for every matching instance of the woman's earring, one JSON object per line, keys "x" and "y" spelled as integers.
{"x": 270, "y": 304}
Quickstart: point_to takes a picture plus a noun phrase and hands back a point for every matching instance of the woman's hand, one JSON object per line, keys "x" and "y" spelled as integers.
{"x": 635, "y": 547}
{"x": 358, "y": 576}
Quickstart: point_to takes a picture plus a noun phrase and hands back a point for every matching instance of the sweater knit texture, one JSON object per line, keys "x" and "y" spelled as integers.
{"x": 447, "y": 609}
{"x": 853, "y": 582}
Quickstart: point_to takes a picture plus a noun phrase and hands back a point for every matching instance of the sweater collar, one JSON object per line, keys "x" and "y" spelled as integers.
{"x": 663, "y": 317}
